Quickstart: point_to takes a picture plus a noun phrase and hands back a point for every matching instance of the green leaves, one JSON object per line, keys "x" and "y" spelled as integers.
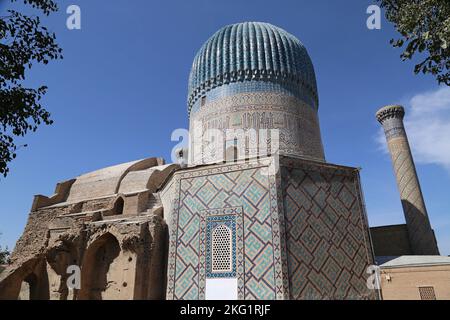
{"x": 23, "y": 42}
{"x": 424, "y": 26}
{"x": 46, "y": 6}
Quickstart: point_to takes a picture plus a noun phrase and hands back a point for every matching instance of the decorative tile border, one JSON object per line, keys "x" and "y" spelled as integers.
{"x": 237, "y": 216}
{"x": 256, "y": 278}
{"x": 296, "y": 122}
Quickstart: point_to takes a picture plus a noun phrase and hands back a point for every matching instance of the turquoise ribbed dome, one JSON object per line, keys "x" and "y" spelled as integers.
{"x": 252, "y": 51}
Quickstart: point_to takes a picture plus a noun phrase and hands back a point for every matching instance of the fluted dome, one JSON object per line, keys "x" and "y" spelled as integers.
{"x": 251, "y": 51}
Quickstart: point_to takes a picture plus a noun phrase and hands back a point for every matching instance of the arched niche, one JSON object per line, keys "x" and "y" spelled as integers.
{"x": 59, "y": 259}
{"x": 99, "y": 272}
{"x": 35, "y": 284}
{"x": 118, "y": 206}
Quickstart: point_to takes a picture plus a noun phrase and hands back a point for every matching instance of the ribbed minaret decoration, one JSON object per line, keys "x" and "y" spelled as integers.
{"x": 421, "y": 236}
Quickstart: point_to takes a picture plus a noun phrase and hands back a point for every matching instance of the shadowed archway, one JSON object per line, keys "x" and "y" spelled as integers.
{"x": 96, "y": 277}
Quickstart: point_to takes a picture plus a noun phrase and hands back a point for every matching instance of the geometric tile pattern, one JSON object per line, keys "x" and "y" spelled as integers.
{"x": 251, "y": 196}
{"x": 422, "y": 239}
{"x": 421, "y": 236}
{"x": 301, "y": 233}
{"x": 328, "y": 245}
{"x": 237, "y": 213}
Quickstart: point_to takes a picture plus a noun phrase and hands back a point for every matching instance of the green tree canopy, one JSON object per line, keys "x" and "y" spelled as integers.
{"x": 23, "y": 42}
{"x": 4, "y": 255}
{"x": 424, "y": 26}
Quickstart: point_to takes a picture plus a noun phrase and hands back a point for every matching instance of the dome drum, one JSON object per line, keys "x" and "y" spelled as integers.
{"x": 254, "y": 75}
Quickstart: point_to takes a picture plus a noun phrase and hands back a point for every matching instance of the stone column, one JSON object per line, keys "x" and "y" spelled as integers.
{"x": 421, "y": 236}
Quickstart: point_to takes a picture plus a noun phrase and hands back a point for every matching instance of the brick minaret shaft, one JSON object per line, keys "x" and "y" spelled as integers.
{"x": 421, "y": 236}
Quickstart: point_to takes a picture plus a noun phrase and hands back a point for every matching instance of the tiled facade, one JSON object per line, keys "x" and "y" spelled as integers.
{"x": 231, "y": 89}
{"x": 327, "y": 232}
{"x": 253, "y": 76}
{"x": 297, "y": 125}
{"x": 251, "y": 196}
{"x": 300, "y": 234}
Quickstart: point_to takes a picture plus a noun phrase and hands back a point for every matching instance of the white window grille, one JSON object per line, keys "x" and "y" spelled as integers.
{"x": 221, "y": 250}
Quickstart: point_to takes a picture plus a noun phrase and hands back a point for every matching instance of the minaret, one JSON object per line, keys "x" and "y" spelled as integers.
{"x": 421, "y": 236}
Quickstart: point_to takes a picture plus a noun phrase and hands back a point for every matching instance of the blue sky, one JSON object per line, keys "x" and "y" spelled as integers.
{"x": 121, "y": 90}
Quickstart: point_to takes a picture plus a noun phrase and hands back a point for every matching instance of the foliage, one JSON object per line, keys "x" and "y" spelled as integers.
{"x": 424, "y": 26}
{"x": 23, "y": 42}
{"x": 4, "y": 255}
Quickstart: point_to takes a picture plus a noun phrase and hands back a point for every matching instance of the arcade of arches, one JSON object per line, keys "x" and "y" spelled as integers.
{"x": 110, "y": 269}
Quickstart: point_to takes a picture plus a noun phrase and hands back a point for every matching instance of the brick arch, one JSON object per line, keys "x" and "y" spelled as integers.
{"x": 110, "y": 229}
{"x": 98, "y": 278}
{"x": 34, "y": 284}
{"x": 59, "y": 258}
